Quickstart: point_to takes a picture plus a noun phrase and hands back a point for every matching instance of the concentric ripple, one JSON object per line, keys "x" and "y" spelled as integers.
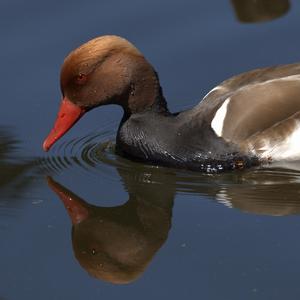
{"x": 80, "y": 153}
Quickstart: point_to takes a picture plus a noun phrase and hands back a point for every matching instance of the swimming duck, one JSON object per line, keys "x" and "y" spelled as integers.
{"x": 246, "y": 120}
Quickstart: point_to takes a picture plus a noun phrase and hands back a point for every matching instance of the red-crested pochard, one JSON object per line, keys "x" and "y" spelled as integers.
{"x": 247, "y": 119}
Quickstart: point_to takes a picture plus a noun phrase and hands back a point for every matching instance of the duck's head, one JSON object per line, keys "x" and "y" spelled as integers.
{"x": 105, "y": 70}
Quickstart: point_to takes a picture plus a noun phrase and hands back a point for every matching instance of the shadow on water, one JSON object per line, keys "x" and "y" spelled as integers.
{"x": 253, "y": 11}
{"x": 116, "y": 244}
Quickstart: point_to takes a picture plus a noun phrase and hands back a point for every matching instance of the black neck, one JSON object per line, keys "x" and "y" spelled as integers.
{"x": 144, "y": 92}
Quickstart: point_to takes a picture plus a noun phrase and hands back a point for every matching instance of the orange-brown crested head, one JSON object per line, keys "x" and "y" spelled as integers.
{"x": 99, "y": 72}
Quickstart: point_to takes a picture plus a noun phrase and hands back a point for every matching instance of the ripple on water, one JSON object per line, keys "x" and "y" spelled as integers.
{"x": 272, "y": 189}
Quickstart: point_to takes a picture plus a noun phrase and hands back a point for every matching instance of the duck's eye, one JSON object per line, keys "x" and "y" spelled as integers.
{"x": 81, "y": 78}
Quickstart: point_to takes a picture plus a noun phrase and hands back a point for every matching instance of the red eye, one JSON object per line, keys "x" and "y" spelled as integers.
{"x": 81, "y": 78}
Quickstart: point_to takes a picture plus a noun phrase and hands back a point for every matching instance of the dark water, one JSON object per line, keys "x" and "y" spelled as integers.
{"x": 167, "y": 234}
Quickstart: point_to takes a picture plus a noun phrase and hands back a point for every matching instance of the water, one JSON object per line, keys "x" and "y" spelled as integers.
{"x": 82, "y": 223}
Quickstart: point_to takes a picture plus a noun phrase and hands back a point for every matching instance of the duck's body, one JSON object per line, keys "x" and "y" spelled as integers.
{"x": 170, "y": 140}
{"x": 247, "y": 119}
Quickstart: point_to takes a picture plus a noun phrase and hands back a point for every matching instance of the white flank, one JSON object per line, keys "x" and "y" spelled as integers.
{"x": 218, "y": 120}
{"x": 288, "y": 149}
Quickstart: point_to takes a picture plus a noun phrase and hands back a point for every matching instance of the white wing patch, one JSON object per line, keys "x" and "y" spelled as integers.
{"x": 288, "y": 149}
{"x": 218, "y": 120}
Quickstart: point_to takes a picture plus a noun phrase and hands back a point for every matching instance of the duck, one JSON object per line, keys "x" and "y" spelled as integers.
{"x": 248, "y": 120}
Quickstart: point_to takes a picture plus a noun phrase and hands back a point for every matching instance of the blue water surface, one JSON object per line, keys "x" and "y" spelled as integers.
{"x": 151, "y": 232}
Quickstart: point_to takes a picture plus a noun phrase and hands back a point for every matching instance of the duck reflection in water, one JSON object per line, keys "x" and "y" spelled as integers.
{"x": 116, "y": 244}
{"x": 252, "y": 11}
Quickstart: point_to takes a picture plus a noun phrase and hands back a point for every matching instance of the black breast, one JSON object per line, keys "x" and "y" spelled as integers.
{"x": 178, "y": 141}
